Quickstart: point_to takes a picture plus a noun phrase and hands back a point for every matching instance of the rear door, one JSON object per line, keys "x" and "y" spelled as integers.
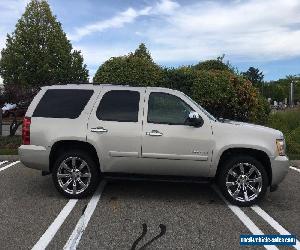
{"x": 169, "y": 145}
{"x": 115, "y": 127}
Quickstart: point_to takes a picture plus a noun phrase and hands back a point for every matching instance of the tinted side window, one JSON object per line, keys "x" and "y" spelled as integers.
{"x": 119, "y": 105}
{"x": 164, "y": 108}
{"x": 62, "y": 103}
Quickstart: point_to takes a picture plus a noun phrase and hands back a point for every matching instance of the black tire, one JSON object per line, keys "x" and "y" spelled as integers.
{"x": 92, "y": 168}
{"x": 230, "y": 192}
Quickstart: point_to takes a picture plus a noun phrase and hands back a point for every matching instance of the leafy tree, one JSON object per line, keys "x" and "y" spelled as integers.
{"x": 2, "y": 98}
{"x": 38, "y": 51}
{"x": 227, "y": 95}
{"x": 222, "y": 92}
{"x": 19, "y": 94}
{"x": 296, "y": 86}
{"x": 215, "y": 64}
{"x": 280, "y": 89}
{"x": 181, "y": 78}
{"x": 142, "y": 52}
{"x": 78, "y": 68}
{"x": 261, "y": 111}
{"x": 136, "y": 69}
{"x": 213, "y": 84}
{"x": 255, "y": 76}
{"x": 275, "y": 91}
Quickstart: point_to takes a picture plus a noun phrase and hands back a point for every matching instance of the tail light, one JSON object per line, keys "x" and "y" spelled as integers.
{"x": 26, "y": 131}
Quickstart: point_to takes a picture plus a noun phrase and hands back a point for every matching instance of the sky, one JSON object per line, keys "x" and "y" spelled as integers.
{"x": 261, "y": 33}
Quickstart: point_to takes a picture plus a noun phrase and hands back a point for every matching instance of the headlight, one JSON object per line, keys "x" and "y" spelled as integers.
{"x": 280, "y": 143}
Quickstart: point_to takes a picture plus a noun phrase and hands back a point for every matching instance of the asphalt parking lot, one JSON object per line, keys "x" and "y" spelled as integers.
{"x": 133, "y": 214}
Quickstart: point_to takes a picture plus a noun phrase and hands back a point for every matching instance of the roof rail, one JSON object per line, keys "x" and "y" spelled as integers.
{"x": 76, "y": 82}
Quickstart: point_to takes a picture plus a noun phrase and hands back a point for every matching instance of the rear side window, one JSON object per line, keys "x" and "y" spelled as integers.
{"x": 62, "y": 103}
{"x": 119, "y": 105}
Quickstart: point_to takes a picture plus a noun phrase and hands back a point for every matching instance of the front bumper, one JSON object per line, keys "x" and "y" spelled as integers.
{"x": 280, "y": 166}
{"x": 36, "y": 157}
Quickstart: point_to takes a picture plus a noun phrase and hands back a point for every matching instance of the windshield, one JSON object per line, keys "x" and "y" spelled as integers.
{"x": 210, "y": 116}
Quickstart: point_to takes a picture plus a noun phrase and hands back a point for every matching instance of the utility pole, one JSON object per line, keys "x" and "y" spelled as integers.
{"x": 292, "y": 94}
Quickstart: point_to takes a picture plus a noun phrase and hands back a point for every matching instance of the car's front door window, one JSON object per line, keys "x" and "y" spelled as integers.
{"x": 168, "y": 109}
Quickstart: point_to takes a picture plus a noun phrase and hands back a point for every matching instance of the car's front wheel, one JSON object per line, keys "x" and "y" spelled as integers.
{"x": 243, "y": 180}
{"x": 75, "y": 174}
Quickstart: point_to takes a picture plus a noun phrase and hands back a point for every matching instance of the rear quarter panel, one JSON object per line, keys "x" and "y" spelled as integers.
{"x": 46, "y": 131}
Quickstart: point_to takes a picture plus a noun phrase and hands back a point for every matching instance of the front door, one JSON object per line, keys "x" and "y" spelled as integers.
{"x": 171, "y": 146}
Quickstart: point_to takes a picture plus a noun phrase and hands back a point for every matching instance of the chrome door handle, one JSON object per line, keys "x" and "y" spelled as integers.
{"x": 154, "y": 133}
{"x": 99, "y": 130}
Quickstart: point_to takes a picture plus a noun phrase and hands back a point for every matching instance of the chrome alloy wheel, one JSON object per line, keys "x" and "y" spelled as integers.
{"x": 244, "y": 182}
{"x": 74, "y": 175}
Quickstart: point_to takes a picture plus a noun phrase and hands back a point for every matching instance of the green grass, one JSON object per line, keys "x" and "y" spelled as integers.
{"x": 9, "y": 144}
{"x": 289, "y": 123}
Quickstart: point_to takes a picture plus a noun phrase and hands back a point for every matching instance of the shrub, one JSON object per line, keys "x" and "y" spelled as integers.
{"x": 181, "y": 79}
{"x": 293, "y": 142}
{"x": 215, "y": 64}
{"x": 9, "y": 144}
{"x": 136, "y": 69}
{"x": 226, "y": 95}
{"x": 213, "y": 84}
{"x": 260, "y": 114}
{"x": 15, "y": 93}
{"x": 129, "y": 70}
{"x": 289, "y": 123}
{"x": 2, "y": 100}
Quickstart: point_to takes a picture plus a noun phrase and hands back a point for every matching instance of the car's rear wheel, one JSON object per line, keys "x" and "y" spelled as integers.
{"x": 75, "y": 174}
{"x": 243, "y": 180}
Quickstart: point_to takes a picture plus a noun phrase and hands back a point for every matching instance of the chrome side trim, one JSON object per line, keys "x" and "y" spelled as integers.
{"x": 175, "y": 157}
{"x": 123, "y": 154}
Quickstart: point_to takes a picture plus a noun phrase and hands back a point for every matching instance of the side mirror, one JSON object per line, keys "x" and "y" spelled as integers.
{"x": 195, "y": 119}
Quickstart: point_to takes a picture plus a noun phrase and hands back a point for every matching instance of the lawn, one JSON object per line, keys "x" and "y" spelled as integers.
{"x": 288, "y": 122}
{"x": 9, "y": 144}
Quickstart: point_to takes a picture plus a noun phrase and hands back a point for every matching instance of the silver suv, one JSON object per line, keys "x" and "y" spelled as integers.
{"x": 80, "y": 133}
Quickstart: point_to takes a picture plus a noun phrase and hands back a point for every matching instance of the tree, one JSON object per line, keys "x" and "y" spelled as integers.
{"x": 224, "y": 94}
{"x": 215, "y": 64}
{"x": 78, "y": 68}
{"x": 136, "y": 69}
{"x": 38, "y": 51}
{"x": 227, "y": 95}
{"x": 280, "y": 89}
{"x": 254, "y": 76}
{"x": 142, "y": 52}
{"x": 213, "y": 84}
{"x": 181, "y": 78}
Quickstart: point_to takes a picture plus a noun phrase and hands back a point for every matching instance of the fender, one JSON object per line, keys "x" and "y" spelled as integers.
{"x": 218, "y": 153}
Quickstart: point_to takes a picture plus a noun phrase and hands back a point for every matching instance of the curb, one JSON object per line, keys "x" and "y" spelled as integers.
{"x": 295, "y": 163}
{"x": 9, "y": 157}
